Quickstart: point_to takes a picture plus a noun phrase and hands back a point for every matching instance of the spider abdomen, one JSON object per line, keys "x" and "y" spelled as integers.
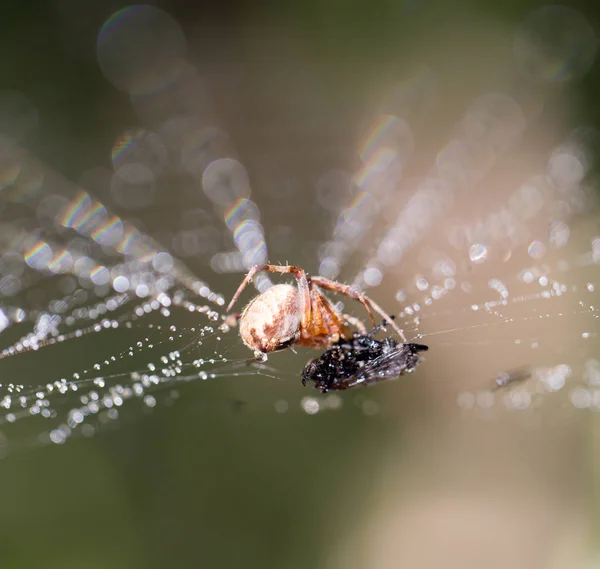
{"x": 271, "y": 321}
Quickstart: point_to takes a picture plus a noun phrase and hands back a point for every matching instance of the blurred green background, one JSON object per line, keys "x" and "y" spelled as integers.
{"x": 220, "y": 479}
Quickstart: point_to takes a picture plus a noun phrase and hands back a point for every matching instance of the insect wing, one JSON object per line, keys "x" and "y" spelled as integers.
{"x": 390, "y": 365}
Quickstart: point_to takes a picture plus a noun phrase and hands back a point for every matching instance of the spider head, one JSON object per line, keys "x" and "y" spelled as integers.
{"x": 271, "y": 321}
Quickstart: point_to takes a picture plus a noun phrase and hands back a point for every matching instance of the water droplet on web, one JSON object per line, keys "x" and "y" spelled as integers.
{"x": 536, "y": 249}
{"x": 150, "y": 400}
{"x": 260, "y": 357}
{"x": 478, "y": 253}
{"x": 310, "y": 405}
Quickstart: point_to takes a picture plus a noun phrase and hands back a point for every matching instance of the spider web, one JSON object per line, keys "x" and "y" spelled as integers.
{"x": 489, "y": 253}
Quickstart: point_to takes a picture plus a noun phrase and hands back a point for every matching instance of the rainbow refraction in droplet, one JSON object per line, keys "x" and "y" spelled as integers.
{"x": 249, "y": 239}
{"x": 389, "y": 138}
{"x": 39, "y": 255}
{"x": 361, "y": 202}
{"x": 139, "y": 145}
{"x": 100, "y": 275}
{"x": 129, "y": 240}
{"x": 95, "y": 215}
{"x": 83, "y": 214}
{"x": 110, "y": 232}
{"x": 72, "y": 212}
{"x": 61, "y": 262}
{"x": 241, "y": 210}
{"x": 124, "y": 144}
{"x": 248, "y": 229}
{"x": 372, "y": 175}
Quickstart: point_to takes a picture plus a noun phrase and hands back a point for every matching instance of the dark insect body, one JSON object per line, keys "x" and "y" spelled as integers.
{"x": 511, "y": 377}
{"x": 361, "y": 360}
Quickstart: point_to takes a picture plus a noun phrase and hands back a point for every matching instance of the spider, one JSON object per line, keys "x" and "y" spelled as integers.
{"x": 361, "y": 360}
{"x": 287, "y": 315}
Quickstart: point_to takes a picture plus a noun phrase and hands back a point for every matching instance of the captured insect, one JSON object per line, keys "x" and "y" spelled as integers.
{"x": 511, "y": 377}
{"x": 361, "y": 360}
{"x": 301, "y": 315}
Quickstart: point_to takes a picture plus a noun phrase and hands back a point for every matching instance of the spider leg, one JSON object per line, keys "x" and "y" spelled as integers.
{"x": 356, "y": 322}
{"x": 301, "y": 277}
{"x": 248, "y": 279}
{"x": 386, "y": 316}
{"x": 346, "y": 290}
{"x": 366, "y": 301}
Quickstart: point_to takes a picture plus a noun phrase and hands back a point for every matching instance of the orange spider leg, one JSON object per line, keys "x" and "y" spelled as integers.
{"x": 346, "y": 291}
{"x": 245, "y": 282}
{"x": 326, "y": 321}
{"x": 366, "y": 301}
{"x": 284, "y": 269}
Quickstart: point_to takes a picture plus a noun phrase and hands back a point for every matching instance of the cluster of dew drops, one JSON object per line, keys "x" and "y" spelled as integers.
{"x": 91, "y": 399}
